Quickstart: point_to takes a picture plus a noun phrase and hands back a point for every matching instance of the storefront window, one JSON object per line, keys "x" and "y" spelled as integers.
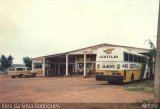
{"x": 39, "y": 66}
{"x": 88, "y": 65}
{"x": 80, "y": 65}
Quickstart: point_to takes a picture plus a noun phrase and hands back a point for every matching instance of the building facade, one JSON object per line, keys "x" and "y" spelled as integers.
{"x": 76, "y": 62}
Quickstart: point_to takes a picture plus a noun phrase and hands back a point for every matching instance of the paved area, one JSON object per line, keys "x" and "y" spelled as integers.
{"x": 65, "y": 90}
{"x": 1, "y": 73}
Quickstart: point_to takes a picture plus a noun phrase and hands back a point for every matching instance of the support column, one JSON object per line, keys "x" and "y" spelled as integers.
{"x": 76, "y": 65}
{"x": 43, "y": 66}
{"x": 58, "y": 67}
{"x": 55, "y": 67}
{"x": 32, "y": 66}
{"x": 66, "y": 64}
{"x": 84, "y": 70}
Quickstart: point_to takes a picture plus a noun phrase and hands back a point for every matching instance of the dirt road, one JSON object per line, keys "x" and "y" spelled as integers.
{"x": 65, "y": 90}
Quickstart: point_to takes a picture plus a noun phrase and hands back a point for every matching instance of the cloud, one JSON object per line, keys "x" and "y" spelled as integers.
{"x": 40, "y": 27}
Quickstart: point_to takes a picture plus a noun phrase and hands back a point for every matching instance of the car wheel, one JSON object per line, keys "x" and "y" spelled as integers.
{"x": 34, "y": 74}
{"x": 20, "y": 76}
{"x": 13, "y": 76}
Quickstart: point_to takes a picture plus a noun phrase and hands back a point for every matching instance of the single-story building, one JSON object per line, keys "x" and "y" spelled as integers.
{"x": 77, "y": 62}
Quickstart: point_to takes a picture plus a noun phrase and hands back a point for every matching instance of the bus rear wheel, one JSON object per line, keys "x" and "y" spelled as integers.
{"x": 110, "y": 82}
{"x": 114, "y": 82}
{"x": 132, "y": 78}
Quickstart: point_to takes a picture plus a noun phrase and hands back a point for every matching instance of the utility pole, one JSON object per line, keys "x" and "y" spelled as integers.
{"x": 157, "y": 67}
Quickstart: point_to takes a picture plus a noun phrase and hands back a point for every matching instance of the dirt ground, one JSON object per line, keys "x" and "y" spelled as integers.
{"x": 65, "y": 90}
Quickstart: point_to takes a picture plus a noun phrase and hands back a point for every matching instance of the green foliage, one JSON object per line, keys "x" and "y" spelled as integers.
{"x": 145, "y": 101}
{"x": 6, "y": 61}
{"x": 152, "y": 52}
{"x": 143, "y": 86}
{"x": 27, "y": 61}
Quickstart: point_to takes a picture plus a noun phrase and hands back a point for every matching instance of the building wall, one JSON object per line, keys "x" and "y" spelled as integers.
{"x": 60, "y": 60}
{"x": 39, "y": 72}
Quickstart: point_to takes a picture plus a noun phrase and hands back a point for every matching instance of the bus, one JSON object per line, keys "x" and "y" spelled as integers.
{"x": 20, "y": 72}
{"x": 118, "y": 65}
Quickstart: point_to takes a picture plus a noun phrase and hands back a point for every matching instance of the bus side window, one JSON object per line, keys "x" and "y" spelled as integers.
{"x": 143, "y": 60}
{"x": 139, "y": 59}
{"x": 125, "y": 56}
{"x": 130, "y": 57}
{"x": 135, "y": 58}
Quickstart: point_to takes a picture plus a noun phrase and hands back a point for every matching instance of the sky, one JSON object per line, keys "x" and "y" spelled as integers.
{"x": 43, "y": 27}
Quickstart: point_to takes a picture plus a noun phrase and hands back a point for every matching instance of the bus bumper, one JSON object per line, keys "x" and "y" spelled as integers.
{"x": 109, "y": 78}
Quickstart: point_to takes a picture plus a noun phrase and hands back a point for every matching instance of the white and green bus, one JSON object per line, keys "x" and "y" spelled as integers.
{"x": 115, "y": 64}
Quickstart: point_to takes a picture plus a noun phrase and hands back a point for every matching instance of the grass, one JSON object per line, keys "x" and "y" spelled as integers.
{"x": 142, "y": 86}
{"x": 146, "y": 101}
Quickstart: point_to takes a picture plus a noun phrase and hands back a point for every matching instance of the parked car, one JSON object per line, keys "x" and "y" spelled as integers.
{"x": 20, "y": 72}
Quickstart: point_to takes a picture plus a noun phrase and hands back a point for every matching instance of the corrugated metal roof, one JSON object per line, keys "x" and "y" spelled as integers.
{"x": 104, "y": 44}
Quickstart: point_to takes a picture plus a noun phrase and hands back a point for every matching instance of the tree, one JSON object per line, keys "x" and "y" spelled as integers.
{"x": 6, "y": 61}
{"x": 10, "y": 60}
{"x": 28, "y": 62}
{"x": 152, "y": 55}
{"x": 152, "y": 51}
